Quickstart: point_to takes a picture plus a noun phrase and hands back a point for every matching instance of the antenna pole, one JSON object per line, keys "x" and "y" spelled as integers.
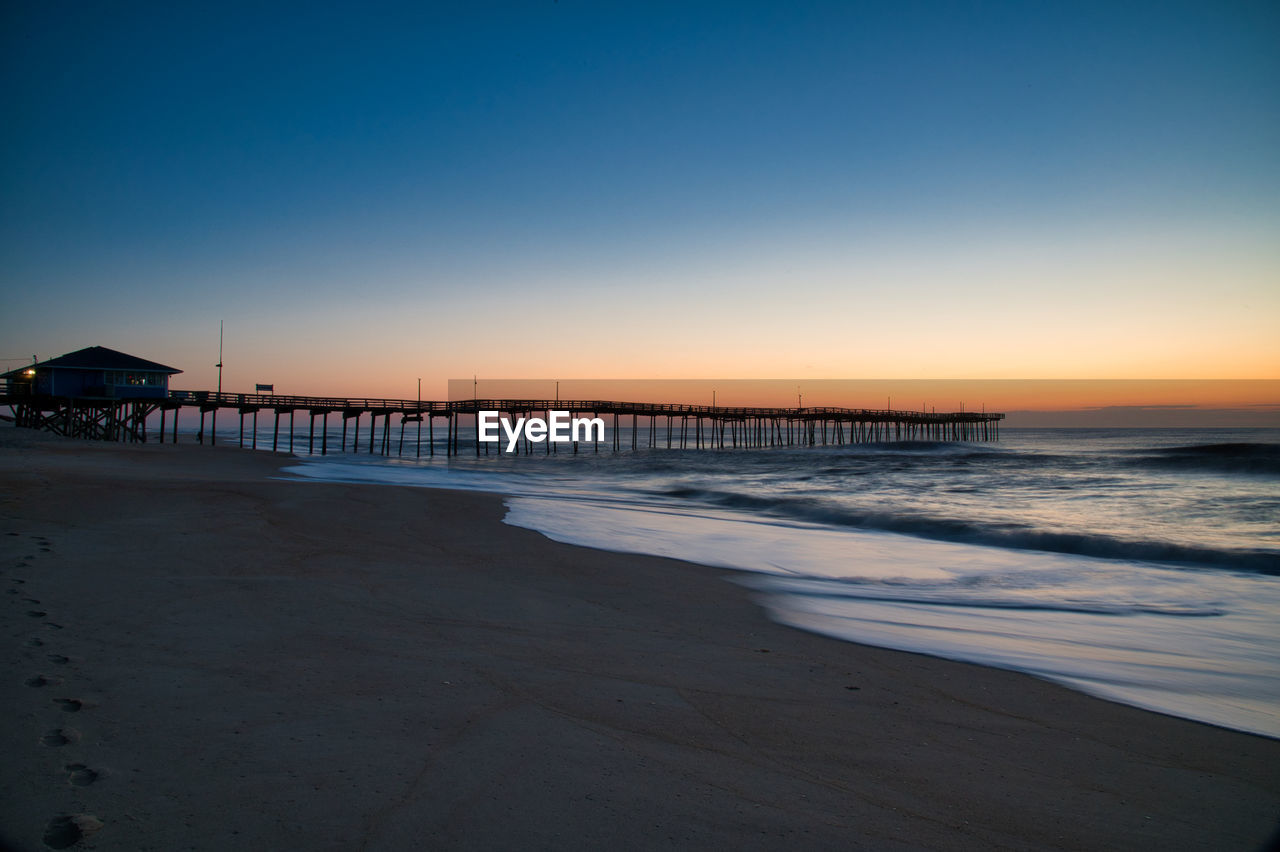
{"x": 219, "y": 364}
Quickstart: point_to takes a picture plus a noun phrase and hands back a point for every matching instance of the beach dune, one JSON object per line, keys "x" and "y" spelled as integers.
{"x": 201, "y": 654}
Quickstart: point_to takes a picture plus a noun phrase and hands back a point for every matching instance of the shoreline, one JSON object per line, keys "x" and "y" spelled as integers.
{"x": 282, "y": 663}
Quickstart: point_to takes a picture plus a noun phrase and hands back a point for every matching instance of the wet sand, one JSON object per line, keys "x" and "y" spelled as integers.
{"x": 200, "y": 656}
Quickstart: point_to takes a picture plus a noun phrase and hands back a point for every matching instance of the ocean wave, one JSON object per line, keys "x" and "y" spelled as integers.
{"x": 1250, "y": 459}
{"x": 1014, "y": 536}
{"x": 951, "y": 596}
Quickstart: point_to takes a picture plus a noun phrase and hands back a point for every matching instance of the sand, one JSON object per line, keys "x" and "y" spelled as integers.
{"x": 199, "y": 655}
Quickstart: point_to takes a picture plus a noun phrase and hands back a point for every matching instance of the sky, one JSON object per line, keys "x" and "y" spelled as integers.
{"x": 371, "y": 194}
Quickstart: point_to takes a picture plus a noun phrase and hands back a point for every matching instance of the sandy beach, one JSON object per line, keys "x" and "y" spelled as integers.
{"x": 201, "y": 654}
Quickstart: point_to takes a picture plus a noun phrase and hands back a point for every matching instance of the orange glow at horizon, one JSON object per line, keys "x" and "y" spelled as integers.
{"x": 900, "y": 394}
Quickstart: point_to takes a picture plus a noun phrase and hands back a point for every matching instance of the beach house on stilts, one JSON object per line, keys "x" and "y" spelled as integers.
{"x": 96, "y": 393}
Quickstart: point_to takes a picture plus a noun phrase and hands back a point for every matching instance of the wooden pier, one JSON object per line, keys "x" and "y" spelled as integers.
{"x": 89, "y": 418}
{"x": 378, "y": 426}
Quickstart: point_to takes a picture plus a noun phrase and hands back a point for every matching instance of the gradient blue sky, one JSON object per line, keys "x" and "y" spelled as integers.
{"x": 371, "y": 193}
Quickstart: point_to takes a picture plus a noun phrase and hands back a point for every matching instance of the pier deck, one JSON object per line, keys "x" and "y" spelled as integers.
{"x": 649, "y": 425}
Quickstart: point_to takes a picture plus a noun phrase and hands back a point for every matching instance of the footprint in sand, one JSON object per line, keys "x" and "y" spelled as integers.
{"x": 66, "y": 831}
{"x": 69, "y": 705}
{"x": 37, "y": 613}
{"x": 58, "y": 659}
{"x": 34, "y": 643}
{"x": 41, "y": 680}
{"x": 59, "y": 737}
{"x": 13, "y": 591}
{"x": 52, "y": 626}
{"x": 81, "y": 775}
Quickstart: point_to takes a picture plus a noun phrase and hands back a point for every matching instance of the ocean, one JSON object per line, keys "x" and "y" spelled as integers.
{"x": 1142, "y": 566}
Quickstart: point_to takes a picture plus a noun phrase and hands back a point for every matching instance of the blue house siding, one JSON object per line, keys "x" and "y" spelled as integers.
{"x": 101, "y": 383}
{"x": 97, "y": 373}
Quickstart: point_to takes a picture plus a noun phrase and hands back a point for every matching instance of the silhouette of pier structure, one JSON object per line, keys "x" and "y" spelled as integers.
{"x": 651, "y": 425}
{"x": 103, "y": 394}
{"x": 634, "y": 425}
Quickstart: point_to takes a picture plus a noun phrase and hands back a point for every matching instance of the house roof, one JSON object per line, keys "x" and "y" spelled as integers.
{"x": 96, "y": 358}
